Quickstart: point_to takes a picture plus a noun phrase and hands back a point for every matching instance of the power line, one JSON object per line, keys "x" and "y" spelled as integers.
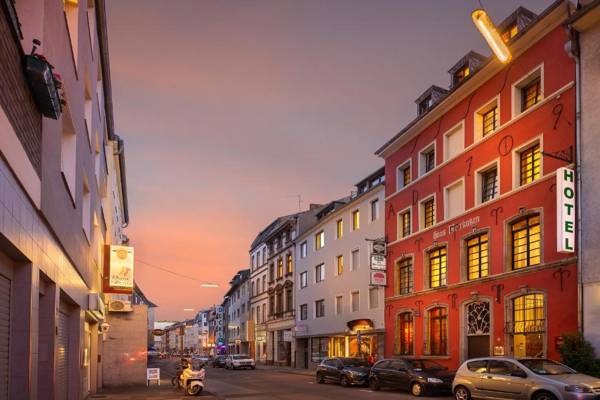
{"x": 169, "y": 271}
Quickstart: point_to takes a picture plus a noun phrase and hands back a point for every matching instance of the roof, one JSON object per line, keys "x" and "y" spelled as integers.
{"x": 270, "y": 229}
{"x": 139, "y": 292}
{"x": 586, "y": 15}
{"x": 471, "y": 55}
{"x": 240, "y": 277}
{"x": 449, "y": 93}
{"x": 431, "y": 91}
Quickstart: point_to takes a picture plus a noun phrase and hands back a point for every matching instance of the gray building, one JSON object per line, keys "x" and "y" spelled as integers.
{"x": 338, "y": 312}
{"x": 237, "y": 312}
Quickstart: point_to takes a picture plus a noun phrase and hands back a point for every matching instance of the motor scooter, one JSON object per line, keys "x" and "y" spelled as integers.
{"x": 192, "y": 381}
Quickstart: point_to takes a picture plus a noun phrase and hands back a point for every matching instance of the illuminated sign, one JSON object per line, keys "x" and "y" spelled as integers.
{"x": 565, "y": 210}
{"x": 121, "y": 267}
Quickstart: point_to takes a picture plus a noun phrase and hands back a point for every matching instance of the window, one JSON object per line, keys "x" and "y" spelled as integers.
{"x": 489, "y": 121}
{"x": 437, "y": 267}
{"x": 71, "y": 8}
{"x": 455, "y": 200}
{"x": 272, "y": 273}
{"x": 319, "y": 350}
{"x": 279, "y": 302}
{"x": 68, "y": 152}
{"x": 427, "y": 161}
{"x": 461, "y": 75}
{"x": 404, "y": 333}
{"x": 304, "y": 312}
{"x": 319, "y": 308}
{"x": 403, "y": 176}
{"x": 279, "y": 268}
{"x": 526, "y": 242}
{"x": 264, "y": 283}
{"x": 477, "y": 257}
{"x": 289, "y": 264}
{"x": 252, "y": 290}
{"x": 271, "y": 305}
{"x": 528, "y": 92}
{"x": 373, "y": 298}
{"x": 404, "y": 276}
{"x": 319, "y": 240}
{"x": 375, "y": 210}
{"x": 531, "y": 94}
{"x": 428, "y": 207}
{"x": 289, "y": 300}
{"x": 340, "y": 264}
{"x": 303, "y": 248}
{"x": 529, "y": 325}
{"x": 304, "y": 279}
{"x": 530, "y": 161}
{"x": 355, "y": 259}
{"x": 86, "y": 210}
{"x": 404, "y": 224}
{"x": 489, "y": 184}
{"x": 320, "y": 273}
{"x": 339, "y": 228}
{"x": 510, "y": 32}
{"x": 454, "y": 142}
{"x": 355, "y": 300}
{"x": 437, "y": 331}
{"x": 339, "y": 304}
{"x": 479, "y": 367}
{"x": 355, "y": 220}
{"x": 425, "y": 104}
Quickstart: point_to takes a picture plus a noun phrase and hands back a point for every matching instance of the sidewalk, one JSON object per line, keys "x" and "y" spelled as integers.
{"x": 287, "y": 370}
{"x": 154, "y": 392}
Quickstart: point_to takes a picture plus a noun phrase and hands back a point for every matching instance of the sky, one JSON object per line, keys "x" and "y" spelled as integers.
{"x": 231, "y": 109}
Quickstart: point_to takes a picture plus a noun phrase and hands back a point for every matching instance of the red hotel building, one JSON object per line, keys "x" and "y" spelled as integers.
{"x": 473, "y": 267}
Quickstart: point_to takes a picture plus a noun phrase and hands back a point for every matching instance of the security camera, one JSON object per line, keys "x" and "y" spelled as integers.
{"x": 104, "y": 327}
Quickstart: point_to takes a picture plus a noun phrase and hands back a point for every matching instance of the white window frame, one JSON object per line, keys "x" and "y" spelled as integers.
{"x": 315, "y": 313}
{"x": 322, "y": 274}
{"x": 371, "y": 219}
{"x": 399, "y": 223}
{"x": 304, "y": 249}
{"x": 479, "y": 180}
{"x": 460, "y": 129}
{"x": 321, "y": 239}
{"x": 400, "y": 176}
{"x": 478, "y": 118}
{"x": 518, "y": 85}
{"x": 516, "y": 160}
{"x": 305, "y": 273}
{"x": 446, "y": 203}
{"x": 425, "y": 149}
{"x": 422, "y": 212}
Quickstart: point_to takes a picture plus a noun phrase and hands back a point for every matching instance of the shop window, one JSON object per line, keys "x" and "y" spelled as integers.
{"x": 289, "y": 264}
{"x": 437, "y": 267}
{"x": 403, "y": 176}
{"x": 337, "y": 346}
{"x": 404, "y": 280}
{"x": 526, "y": 242}
{"x": 530, "y": 164}
{"x": 404, "y": 224}
{"x": 339, "y": 228}
{"x": 319, "y": 308}
{"x": 319, "y": 350}
{"x": 428, "y": 213}
{"x": 477, "y": 256}
{"x": 404, "y": 334}
{"x": 528, "y": 333}
{"x": 437, "y": 335}
{"x": 340, "y": 264}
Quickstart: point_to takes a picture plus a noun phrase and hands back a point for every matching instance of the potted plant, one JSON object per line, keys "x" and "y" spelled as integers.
{"x": 45, "y": 83}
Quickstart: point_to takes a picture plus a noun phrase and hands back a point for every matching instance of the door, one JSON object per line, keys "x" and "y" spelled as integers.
{"x": 4, "y": 335}
{"x": 478, "y": 329}
{"x": 62, "y": 356}
{"x": 500, "y": 382}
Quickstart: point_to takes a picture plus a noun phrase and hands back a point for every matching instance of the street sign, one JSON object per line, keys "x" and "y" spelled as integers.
{"x": 378, "y": 262}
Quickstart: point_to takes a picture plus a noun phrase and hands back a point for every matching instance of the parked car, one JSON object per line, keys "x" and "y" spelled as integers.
{"x": 345, "y": 371}
{"x": 219, "y": 362}
{"x": 528, "y": 378}
{"x": 418, "y": 376}
{"x": 202, "y": 359}
{"x": 235, "y": 361}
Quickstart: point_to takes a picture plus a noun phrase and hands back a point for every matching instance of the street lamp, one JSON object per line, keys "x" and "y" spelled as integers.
{"x": 486, "y": 27}
{"x": 209, "y": 285}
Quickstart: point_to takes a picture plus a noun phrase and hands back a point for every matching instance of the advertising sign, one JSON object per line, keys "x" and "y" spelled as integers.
{"x": 378, "y": 262}
{"x": 158, "y": 332}
{"x": 121, "y": 267}
{"x": 118, "y": 302}
{"x": 565, "y": 210}
{"x": 378, "y": 278}
{"x": 379, "y": 247}
{"x": 152, "y": 374}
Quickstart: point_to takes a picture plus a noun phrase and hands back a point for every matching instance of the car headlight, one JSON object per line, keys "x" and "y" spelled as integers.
{"x": 578, "y": 389}
{"x": 434, "y": 380}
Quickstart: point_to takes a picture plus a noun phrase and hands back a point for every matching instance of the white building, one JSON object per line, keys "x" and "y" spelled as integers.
{"x": 238, "y": 299}
{"x": 338, "y": 312}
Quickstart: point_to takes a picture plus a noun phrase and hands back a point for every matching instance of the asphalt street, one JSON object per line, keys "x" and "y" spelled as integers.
{"x": 262, "y": 384}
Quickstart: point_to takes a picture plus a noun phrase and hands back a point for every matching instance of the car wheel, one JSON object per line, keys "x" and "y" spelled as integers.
{"x": 543, "y": 396}
{"x": 416, "y": 389}
{"x": 320, "y": 378}
{"x": 462, "y": 393}
{"x": 374, "y": 384}
{"x": 344, "y": 381}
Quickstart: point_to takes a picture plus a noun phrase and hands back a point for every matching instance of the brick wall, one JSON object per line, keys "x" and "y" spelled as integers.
{"x": 16, "y": 98}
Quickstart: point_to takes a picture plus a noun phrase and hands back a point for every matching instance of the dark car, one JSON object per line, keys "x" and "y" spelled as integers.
{"x": 219, "y": 362}
{"x": 418, "y": 376}
{"x": 345, "y": 371}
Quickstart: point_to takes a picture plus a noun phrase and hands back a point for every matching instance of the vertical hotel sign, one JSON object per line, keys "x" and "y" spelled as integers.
{"x": 565, "y": 210}
{"x": 118, "y": 274}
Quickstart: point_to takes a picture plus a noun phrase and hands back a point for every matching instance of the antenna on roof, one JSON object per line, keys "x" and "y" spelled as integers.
{"x": 299, "y": 196}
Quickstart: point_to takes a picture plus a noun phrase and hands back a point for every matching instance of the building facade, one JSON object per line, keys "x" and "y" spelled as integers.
{"x": 473, "y": 263}
{"x": 338, "y": 312}
{"x": 59, "y": 204}
{"x": 238, "y": 311}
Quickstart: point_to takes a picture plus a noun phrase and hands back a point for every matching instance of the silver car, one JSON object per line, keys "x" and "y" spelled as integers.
{"x": 522, "y": 379}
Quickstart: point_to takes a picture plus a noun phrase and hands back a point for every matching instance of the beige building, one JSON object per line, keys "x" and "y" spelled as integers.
{"x": 338, "y": 312}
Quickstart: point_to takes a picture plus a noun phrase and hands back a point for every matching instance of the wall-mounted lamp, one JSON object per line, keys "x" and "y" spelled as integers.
{"x": 485, "y": 25}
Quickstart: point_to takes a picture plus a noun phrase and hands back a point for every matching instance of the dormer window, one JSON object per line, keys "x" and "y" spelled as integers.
{"x": 425, "y": 105}
{"x": 460, "y": 75}
{"x": 510, "y": 32}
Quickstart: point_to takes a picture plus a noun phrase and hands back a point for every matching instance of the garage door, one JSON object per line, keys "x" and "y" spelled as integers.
{"x": 62, "y": 356}
{"x": 4, "y": 335}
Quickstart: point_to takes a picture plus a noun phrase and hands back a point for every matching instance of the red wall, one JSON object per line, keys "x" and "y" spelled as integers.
{"x": 558, "y": 72}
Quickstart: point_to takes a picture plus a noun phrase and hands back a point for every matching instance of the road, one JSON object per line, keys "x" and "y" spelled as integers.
{"x": 263, "y": 384}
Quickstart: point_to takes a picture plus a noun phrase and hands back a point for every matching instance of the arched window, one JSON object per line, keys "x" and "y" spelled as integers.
{"x": 437, "y": 331}
{"x": 404, "y": 333}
